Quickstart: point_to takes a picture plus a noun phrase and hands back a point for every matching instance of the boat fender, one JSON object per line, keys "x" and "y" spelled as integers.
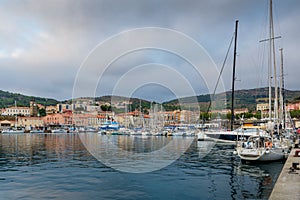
{"x": 268, "y": 144}
{"x": 234, "y": 152}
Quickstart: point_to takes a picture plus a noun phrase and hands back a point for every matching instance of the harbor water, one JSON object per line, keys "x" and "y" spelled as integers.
{"x": 58, "y": 166}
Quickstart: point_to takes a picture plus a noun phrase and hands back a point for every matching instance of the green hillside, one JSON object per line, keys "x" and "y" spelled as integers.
{"x": 246, "y": 98}
{"x": 8, "y": 99}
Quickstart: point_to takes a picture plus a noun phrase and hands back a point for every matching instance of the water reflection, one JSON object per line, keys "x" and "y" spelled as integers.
{"x": 149, "y": 153}
{"x": 30, "y": 149}
{"x": 244, "y": 179}
{"x": 56, "y": 166}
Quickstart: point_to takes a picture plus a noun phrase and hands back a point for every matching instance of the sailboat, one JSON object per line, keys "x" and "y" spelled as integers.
{"x": 243, "y": 132}
{"x": 261, "y": 147}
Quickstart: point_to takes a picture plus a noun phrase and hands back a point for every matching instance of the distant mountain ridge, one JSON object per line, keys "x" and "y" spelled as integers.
{"x": 245, "y": 98}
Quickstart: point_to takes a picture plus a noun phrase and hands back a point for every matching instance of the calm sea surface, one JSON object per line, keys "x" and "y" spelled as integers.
{"x": 58, "y": 166}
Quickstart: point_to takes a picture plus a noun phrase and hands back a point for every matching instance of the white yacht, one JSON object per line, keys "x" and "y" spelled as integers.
{"x": 263, "y": 148}
{"x": 223, "y": 136}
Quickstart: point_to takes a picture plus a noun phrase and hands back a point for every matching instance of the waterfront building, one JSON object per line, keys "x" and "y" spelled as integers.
{"x": 293, "y": 106}
{"x": 54, "y": 119}
{"x": 5, "y": 124}
{"x": 67, "y": 118}
{"x": 30, "y": 122}
{"x": 93, "y": 120}
{"x": 172, "y": 117}
{"x": 15, "y": 110}
{"x": 187, "y": 116}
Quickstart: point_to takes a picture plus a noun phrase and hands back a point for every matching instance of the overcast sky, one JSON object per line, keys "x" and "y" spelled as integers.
{"x": 44, "y": 43}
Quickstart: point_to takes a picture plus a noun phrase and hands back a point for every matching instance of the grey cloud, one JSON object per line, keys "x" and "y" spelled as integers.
{"x": 54, "y": 37}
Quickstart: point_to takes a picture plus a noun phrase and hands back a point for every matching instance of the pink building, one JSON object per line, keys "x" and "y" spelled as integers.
{"x": 58, "y": 119}
{"x": 70, "y": 119}
{"x": 294, "y": 106}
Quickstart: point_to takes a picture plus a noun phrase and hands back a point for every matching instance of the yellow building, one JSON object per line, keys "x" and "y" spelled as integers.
{"x": 51, "y": 110}
{"x": 30, "y": 122}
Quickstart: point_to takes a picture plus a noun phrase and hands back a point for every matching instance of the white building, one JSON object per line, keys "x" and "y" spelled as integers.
{"x": 63, "y": 106}
{"x": 12, "y": 111}
{"x": 262, "y": 106}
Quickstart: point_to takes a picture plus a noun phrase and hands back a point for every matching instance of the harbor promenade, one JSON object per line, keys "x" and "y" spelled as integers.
{"x": 288, "y": 183}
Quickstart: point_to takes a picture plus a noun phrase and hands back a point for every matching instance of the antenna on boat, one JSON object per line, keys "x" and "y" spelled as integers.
{"x": 233, "y": 75}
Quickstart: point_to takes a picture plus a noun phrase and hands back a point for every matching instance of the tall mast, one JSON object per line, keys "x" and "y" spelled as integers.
{"x": 274, "y": 64}
{"x": 281, "y": 92}
{"x": 233, "y": 75}
{"x": 270, "y": 59}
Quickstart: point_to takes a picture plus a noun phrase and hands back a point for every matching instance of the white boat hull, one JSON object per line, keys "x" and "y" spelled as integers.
{"x": 262, "y": 154}
{"x": 12, "y": 131}
{"x": 232, "y": 136}
{"x": 263, "y": 148}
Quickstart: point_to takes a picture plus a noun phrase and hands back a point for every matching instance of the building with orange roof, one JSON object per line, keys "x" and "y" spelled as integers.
{"x": 70, "y": 119}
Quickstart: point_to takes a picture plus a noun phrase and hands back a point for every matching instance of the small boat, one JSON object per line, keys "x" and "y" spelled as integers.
{"x": 36, "y": 131}
{"x": 146, "y": 133}
{"x": 81, "y": 129}
{"x": 124, "y": 132}
{"x": 90, "y": 129}
{"x": 109, "y": 128}
{"x": 110, "y": 125}
{"x": 59, "y": 131}
{"x": 178, "y": 133}
{"x": 190, "y": 132}
{"x": 73, "y": 130}
{"x": 158, "y": 133}
{"x": 136, "y": 132}
{"x": 13, "y": 131}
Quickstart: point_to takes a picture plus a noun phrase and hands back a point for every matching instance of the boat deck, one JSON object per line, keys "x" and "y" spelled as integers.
{"x": 288, "y": 183}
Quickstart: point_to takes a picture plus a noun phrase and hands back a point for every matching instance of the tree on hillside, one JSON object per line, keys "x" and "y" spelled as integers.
{"x": 105, "y": 108}
{"x": 42, "y": 112}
